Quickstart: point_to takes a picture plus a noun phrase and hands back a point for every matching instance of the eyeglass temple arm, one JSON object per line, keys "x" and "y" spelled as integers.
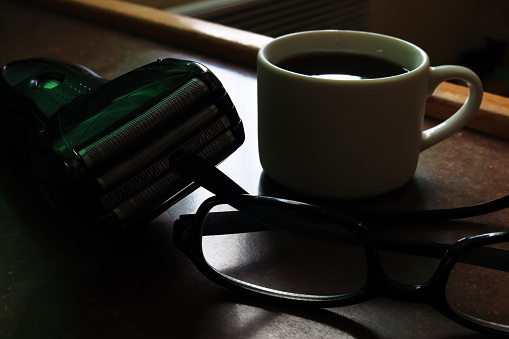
{"x": 431, "y": 215}
{"x": 493, "y": 258}
{"x": 219, "y": 183}
{"x": 207, "y": 175}
{"x": 487, "y": 257}
{"x": 414, "y": 247}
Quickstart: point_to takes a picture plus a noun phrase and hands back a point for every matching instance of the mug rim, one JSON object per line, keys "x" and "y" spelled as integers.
{"x": 263, "y": 58}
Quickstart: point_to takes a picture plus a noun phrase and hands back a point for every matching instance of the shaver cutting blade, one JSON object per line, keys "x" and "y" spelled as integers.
{"x": 104, "y": 151}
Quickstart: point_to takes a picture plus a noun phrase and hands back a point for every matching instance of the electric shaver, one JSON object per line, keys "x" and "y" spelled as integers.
{"x": 103, "y": 151}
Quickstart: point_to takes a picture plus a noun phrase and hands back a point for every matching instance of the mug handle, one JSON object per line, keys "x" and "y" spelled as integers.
{"x": 459, "y": 119}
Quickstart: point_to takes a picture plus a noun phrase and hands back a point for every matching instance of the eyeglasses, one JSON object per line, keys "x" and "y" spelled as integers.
{"x": 306, "y": 254}
{"x": 309, "y": 255}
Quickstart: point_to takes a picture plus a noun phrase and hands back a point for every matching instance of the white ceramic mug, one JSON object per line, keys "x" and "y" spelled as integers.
{"x": 350, "y": 139}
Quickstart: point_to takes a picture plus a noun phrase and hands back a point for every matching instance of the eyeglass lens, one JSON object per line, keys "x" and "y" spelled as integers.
{"x": 262, "y": 253}
{"x": 479, "y": 291}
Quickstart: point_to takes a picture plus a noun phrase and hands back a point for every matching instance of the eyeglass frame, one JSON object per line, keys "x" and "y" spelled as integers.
{"x": 188, "y": 234}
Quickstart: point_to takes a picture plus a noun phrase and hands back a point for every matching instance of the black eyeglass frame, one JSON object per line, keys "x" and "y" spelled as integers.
{"x": 187, "y": 235}
{"x": 188, "y": 232}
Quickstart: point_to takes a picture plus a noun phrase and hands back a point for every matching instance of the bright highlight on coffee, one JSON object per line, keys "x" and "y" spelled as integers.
{"x": 342, "y": 65}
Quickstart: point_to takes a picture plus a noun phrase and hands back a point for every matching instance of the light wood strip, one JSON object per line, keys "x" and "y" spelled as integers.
{"x": 241, "y": 46}
{"x": 492, "y": 118}
{"x": 195, "y": 34}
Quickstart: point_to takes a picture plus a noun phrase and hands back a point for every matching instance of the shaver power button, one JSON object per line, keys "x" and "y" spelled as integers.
{"x": 47, "y": 81}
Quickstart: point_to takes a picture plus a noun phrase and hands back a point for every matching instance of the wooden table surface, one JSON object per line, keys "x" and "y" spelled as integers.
{"x": 56, "y": 282}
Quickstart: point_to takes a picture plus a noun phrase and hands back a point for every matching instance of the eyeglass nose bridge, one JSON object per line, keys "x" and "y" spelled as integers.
{"x": 409, "y": 271}
{"x": 424, "y": 293}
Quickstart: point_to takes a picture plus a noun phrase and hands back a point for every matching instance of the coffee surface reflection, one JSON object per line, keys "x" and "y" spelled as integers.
{"x": 341, "y": 66}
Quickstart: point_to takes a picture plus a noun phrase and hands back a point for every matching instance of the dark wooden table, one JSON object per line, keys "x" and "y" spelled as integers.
{"x": 56, "y": 282}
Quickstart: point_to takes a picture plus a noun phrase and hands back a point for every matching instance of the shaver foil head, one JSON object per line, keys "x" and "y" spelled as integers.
{"x": 104, "y": 150}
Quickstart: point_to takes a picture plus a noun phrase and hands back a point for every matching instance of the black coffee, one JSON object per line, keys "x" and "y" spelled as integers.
{"x": 341, "y": 65}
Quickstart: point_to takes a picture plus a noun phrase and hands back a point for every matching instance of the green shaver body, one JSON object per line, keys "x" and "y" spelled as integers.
{"x": 104, "y": 151}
